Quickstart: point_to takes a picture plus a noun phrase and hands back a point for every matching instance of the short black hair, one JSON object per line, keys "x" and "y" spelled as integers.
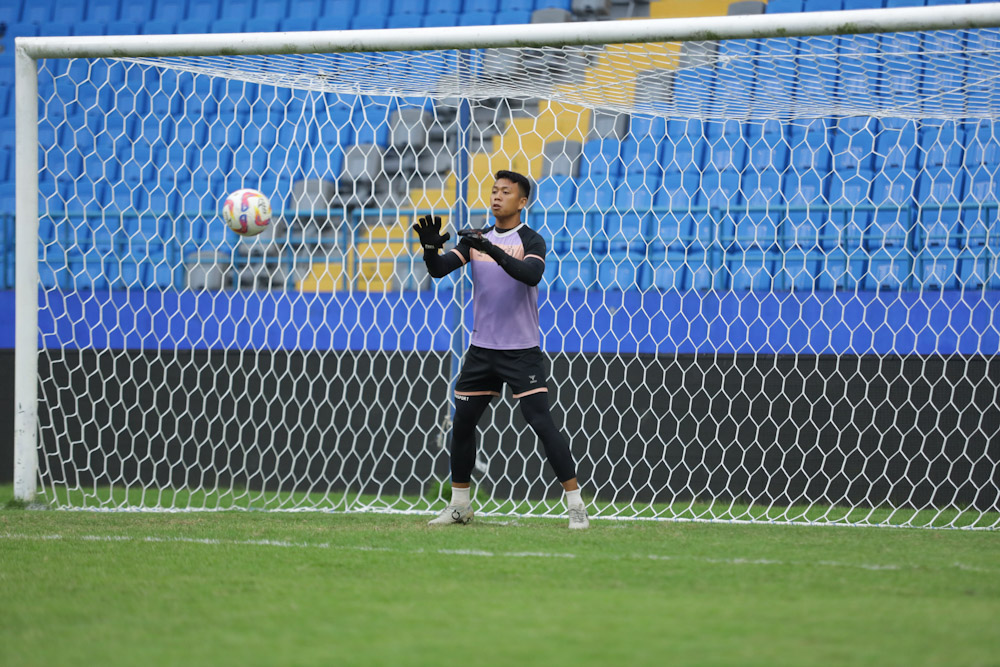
{"x": 514, "y": 177}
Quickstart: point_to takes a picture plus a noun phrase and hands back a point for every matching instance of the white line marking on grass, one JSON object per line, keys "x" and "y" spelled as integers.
{"x": 479, "y": 553}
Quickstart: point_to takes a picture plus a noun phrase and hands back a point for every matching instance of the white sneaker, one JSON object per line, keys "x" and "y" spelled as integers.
{"x": 578, "y": 518}
{"x": 453, "y": 514}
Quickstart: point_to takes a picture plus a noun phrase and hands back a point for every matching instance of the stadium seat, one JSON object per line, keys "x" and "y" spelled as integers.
{"x": 555, "y": 192}
{"x": 368, "y": 22}
{"x": 440, "y": 20}
{"x": 512, "y": 18}
{"x": 887, "y": 270}
{"x": 273, "y": 9}
{"x": 784, "y": 6}
{"x": 169, "y": 10}
{"x": 822, "y": 5}
{"x": 444, "y": 6}
{"x": 601, "y": 158}
{"x": 682, "y": 152}
{"x": 88, "y": 28}
{"x": 590, "y": 197}
{"x": 863, "y": 4}
{"x": 577, "y": 271}
{"x": 750, "y": 271}
{"x": 476, "y": 18}
{"x": 408, "y": 7}
{"x": 334, "y": 22}
{"x": 374, "y": 8}
{"x": 192, "y": 27}
{"x": 472, "y": 6}
{"x": 905, "y": 3}
{"x": 297, "y": 24}
{"x": 158, "y": 27}
{"x": 38, "y": 12}
{"x": 404, "y": 21}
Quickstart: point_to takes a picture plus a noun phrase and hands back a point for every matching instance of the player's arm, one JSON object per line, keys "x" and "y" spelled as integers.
{"x": 528, "y": 270}
{"x": 432, "y": 240}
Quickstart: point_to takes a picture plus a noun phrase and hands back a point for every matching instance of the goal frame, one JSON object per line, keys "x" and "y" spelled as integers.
{"x": 28, "y": 50}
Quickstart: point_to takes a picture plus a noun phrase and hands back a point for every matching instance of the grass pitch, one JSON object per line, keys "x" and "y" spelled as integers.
{"x": 252, "y": 588}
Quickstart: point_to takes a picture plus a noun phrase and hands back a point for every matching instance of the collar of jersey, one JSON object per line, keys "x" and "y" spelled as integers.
{"x": 507, "y": 232}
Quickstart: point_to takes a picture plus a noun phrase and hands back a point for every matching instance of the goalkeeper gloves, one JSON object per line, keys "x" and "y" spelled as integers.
{"x": 429, "y": 230}
{"x": 476, "y": 240}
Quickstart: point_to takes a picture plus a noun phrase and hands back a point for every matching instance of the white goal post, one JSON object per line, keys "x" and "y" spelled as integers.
{"x": 772, "y": 294}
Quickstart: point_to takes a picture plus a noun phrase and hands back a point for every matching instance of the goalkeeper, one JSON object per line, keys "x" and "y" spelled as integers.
{"x": 507, "y": 262}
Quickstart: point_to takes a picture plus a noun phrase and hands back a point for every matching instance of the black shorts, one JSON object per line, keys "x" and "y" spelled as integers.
{"x": 484, "y": 372}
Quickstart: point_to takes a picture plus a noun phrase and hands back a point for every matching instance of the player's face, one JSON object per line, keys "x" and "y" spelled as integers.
{"x": 506, "y": 200}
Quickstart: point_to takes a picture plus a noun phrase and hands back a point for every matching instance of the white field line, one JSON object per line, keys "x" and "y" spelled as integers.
{"x": 479, "y": 553}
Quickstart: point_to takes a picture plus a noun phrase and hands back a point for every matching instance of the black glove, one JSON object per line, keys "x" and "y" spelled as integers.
{"x": 429, "y": 231}
{"x": 476, "y": 240}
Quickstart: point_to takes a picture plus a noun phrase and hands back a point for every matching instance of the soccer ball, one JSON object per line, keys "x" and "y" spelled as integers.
{"x": 247, "y": 212}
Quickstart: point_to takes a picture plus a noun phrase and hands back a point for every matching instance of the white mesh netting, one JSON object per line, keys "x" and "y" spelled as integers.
{"x": 771, "y": 290}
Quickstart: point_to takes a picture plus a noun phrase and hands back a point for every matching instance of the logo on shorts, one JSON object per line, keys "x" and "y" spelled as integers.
{"x": 461, "y": 398}
{"x": 531, "y": 379}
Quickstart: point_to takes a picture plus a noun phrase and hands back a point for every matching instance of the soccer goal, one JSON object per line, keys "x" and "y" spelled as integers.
{"x": 772, "y": 290}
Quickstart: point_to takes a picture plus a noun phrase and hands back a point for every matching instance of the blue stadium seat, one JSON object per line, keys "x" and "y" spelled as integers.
{"x": 577, "y": 271}
{"x": 404, "y": 21}
{"x": 226, "y": 25}
{"x": 368, "y": 22}
{"x": 512, "y": 18}
{"x": 345, "y": 8}
{"x": 159, "y": 27}
{"x": 169, "y": 10}
{"x": 720, "y": 189}
{"x": 937, "y": 270}
{"x": 758, "y": 226}
{"x": 38, "y": 12}
{"x": 192, "y": 27}
{"x": 888, "y": 270}
{"x": 103, "y": 11}
{"x": 261, "y": 24}
{"x": 472, "y": 6}
{"x": 896, "y": 145}
{"x": 88, "y": 28}
{"x": 589, "y": 196}
{"x": 373, "y": 8}
{"x": 476, "y": 18}
{"x": 822, "y": 5}
{"x": 444, "y": 6}
{"x": 207, "y": 11}
{"x": 904, "y": 3}
{"x": 123, "y": 28}
{"x": 273, "y": 9}
{"x": 601, "y": 157}
{"x": 751, "y": 271}
{"x": 54, "y": 29}
{"x": 945, "y": 2}
{"x": 863, "y": 4}
{"x": 555, "y": 191}
{"x": 682, "y": 152}
{"x": 334, "y": 22}
{"x": 409, "y": 7}
{"x": 784, "y": 6}
{"x": 297, "y": 23}
{"x": 440, "y": 20}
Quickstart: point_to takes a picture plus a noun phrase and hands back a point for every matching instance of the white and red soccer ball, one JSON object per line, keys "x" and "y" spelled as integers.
{"x": 247, "y": 212}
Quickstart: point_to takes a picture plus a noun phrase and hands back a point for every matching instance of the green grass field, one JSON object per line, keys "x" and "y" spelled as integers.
{"x": 257, "y": 588}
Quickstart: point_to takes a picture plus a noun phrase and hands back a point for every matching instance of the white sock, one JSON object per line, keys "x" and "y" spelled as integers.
{"x": 460, "y": 496}
{"x": 573, "y": 499}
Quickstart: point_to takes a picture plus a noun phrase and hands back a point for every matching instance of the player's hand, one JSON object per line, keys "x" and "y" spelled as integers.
{"x": 476, "y": 240}
{"x": 429, "y": 230}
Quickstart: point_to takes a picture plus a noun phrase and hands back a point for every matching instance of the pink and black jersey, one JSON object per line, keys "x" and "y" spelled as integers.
{"x": 505, "y": 310}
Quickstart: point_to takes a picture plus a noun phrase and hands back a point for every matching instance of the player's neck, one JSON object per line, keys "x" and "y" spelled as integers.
{"x": 508, "y": 223}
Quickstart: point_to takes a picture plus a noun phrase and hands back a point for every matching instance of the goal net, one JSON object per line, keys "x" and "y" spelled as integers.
{"x": 771, "y": 290}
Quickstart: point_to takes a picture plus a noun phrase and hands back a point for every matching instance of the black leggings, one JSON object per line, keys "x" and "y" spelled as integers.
{"x": 534, "y": 407}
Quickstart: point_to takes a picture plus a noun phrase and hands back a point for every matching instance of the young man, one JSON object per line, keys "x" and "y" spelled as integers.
{"x": 507, "y": 260}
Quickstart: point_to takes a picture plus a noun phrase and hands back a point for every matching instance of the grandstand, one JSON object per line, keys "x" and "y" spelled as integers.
{"x": 645, "y": 192}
